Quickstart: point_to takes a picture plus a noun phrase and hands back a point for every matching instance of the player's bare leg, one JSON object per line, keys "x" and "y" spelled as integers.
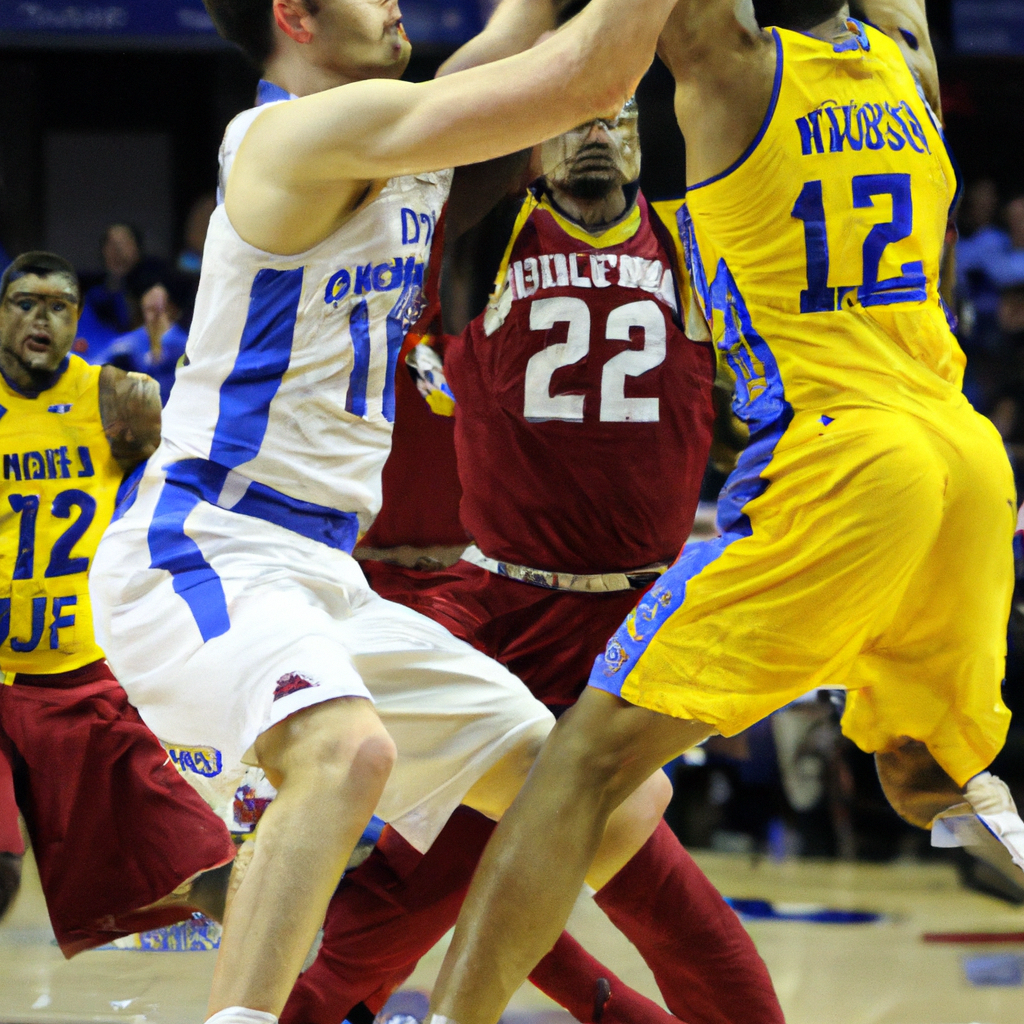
{"x": 329, "y": 763}
{"x": 628, "y": 828}
{"x": 981, "y": 815}
{"x": 599, "y": 753}
{"x": 914, "y": 783}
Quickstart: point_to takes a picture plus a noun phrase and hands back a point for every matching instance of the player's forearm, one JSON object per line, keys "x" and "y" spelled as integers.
{"x": 588, "y": 70}
{"x": 906, "y": 21}
{"x": 514, "y": 26}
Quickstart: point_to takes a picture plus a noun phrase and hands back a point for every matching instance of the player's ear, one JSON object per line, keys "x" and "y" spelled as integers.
{"x": 293, "y": 18}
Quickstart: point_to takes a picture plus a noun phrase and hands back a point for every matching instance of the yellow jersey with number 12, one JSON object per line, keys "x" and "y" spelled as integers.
{"x": 60, "y": 483}
{"x": 816, "y": 255}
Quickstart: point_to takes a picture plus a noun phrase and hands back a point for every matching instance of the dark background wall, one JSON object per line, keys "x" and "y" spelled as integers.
{"x": 91, "y": 135}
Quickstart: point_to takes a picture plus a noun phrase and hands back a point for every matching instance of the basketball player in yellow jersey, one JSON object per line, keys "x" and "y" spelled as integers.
{"x": 119, "y": 837}
{"x": 866, "y": 532}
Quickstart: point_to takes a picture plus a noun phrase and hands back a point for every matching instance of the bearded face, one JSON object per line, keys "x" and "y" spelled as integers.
{"x": 591, "y": 161}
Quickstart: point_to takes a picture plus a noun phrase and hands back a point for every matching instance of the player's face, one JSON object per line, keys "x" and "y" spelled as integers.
{"x": 592, "y": 160}
{"x": 38, "y": 321}
{"x": 362, "y": 38}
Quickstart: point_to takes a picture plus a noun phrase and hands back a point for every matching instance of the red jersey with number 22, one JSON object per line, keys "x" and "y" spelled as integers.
{"x": 583, "y": 410}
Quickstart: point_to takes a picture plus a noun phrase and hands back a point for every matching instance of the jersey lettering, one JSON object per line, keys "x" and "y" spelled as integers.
{"x": 34, "y": 610}
{"x": 527, "y": 277}
{"x": 856, "y": 127}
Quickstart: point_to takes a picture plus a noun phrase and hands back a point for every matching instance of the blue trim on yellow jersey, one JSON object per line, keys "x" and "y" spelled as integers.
{"x": 859, "y": 41}
{"x": 694, "y": 262}
{"x": 54, "y": 378}
{"x": 746, "y": 482}
{"x": 769, "y": 114}
{"x": 770, "y": 415}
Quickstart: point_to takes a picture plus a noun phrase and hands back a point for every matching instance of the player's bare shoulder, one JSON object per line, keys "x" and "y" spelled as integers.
{"x": 130, "y": 413}
{"x": 273, "y": 197}
{"x": 724, "y": 68}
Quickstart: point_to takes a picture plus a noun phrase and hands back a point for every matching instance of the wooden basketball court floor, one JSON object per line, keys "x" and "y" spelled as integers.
{"x": 877, "y": 973}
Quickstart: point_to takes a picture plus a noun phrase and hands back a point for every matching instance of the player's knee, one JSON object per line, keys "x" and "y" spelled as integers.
{"x": 329, "y": 745}
{"x": 374, "y": 758}
{"x": 364, "y": 759}
{"x": 597, "y": 766}
{"x": 10, "y": 880}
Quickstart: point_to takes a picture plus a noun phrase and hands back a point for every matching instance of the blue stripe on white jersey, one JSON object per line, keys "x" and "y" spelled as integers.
{"x": 263, "y": 357}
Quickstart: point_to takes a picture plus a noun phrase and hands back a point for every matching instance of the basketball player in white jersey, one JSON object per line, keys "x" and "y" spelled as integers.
{"x": 226, "y": 597}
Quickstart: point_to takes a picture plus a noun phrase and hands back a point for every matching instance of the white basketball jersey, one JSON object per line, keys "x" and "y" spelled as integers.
{"x": 291, "y": 360}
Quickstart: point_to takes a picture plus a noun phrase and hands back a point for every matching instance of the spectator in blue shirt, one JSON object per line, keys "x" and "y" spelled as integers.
{"x": 157, "y": 346}
{"x": 112, "y": 307}
{"x": 981, "y": 241}
{"x": 1005, "y": 263}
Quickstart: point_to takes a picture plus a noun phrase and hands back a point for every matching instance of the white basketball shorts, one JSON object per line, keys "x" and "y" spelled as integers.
{"x": 220, "y": 625}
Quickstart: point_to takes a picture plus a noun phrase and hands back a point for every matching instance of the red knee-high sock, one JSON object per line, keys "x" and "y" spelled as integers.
{"x": 704, "y": 961}
{"x": 392, "y": 909}
{"x": 589, "y": 991}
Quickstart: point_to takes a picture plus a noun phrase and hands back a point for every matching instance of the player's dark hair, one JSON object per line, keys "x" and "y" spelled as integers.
{"x": 249, "y": 24}
{"x": 798, "y": 15}
{"x": 39, "y": 264}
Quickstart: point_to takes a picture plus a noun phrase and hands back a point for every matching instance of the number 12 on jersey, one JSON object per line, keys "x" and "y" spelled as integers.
{"x": 908, "y": 286}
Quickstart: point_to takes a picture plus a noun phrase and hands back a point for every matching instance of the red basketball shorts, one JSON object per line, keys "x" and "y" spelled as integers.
{"x": 548, "y": 638}
{"x": 113, "y": 826}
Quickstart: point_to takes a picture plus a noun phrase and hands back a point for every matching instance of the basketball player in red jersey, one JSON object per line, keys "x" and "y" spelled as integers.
{"x": 575, "y": 388}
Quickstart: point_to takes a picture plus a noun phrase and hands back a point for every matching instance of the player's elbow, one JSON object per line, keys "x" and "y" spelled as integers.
{"x": 604, "y": 97}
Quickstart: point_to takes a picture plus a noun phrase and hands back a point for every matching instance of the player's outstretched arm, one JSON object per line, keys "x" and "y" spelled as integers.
{"x": 333, "y": 143}
{"x": 724, "y": 66}
{"x": 130, "y": 412}
{"x": 906, "y": 21}
{"x": 514, "y": 26}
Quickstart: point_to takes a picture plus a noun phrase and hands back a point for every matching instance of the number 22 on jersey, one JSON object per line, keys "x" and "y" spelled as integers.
{"x": 615, "y": 406}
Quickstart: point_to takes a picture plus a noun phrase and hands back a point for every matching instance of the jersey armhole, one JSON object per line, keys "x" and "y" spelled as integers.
{"x": 665, "y": 224}
{"x": 769, "y": 114}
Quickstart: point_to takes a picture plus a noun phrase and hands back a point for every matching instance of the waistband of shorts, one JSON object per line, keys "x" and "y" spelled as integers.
{"x": 95, "y": 671}
{"x": 223, "y": 487}
{"x": 595, "y": 583}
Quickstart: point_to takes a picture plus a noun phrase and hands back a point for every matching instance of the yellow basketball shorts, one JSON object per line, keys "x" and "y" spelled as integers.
{"x": 871, "y": 551}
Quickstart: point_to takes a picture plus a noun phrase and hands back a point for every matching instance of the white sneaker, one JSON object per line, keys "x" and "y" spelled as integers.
{"x": 989, "y": 817}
